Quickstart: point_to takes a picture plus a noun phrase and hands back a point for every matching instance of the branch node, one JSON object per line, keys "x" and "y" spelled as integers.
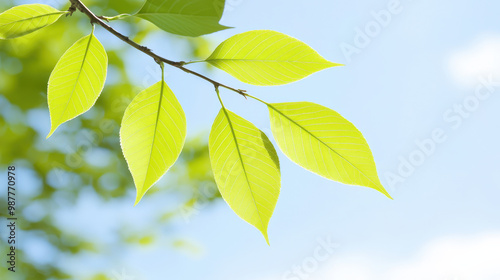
{"x": 103, "y": 18}
{"x": 243, "y": 92}
{"x": 71, "y": 10}
{"x": 93, "y": 21}
{"x": 143, "y": 48}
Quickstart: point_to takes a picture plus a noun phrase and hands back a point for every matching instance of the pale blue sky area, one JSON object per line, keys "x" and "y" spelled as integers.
{"x": 395, "y": 89}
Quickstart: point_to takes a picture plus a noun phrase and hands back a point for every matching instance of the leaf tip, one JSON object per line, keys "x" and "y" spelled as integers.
{"x": 138, "y": 197}
{"x": 266, "y": 236}
{"x": 333, "y": 64}
{"x": 52, "y": 130}
{"x": 384, "y": 191}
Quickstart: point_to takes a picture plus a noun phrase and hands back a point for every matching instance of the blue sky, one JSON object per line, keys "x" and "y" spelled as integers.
{"x": 398, "y": 89}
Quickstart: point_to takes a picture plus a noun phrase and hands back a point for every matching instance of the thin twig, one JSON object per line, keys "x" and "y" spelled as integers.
{"x": 78, "y": 5}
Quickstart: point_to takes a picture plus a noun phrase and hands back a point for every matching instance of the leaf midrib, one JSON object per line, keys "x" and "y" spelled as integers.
{"x": 273, "y": 60}
{"x": 35, "y": 17}
{"x": 321, "y": 141}
{"x": 79, "y": 74}
{"x": 155, "y": 132}
{"x": 177, "y": 14}
{"x": 243, "y": 166}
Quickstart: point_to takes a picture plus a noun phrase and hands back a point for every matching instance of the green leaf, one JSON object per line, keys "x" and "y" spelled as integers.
{"x": 267, "y": 58}
{"x": 77, "y": 80}
{"x": 152, "y": 135}
{"x": 24, "y": 19}
{"x": 246, "y": 168}
{"x": 322, "y": 141}
{"x": 184, "y": 17}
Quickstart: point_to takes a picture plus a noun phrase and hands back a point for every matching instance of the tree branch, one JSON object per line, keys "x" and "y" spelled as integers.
{"x": 78, "y": 5}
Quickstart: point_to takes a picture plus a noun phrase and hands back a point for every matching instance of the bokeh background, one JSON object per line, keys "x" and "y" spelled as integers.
{"x": 421, "y": 81}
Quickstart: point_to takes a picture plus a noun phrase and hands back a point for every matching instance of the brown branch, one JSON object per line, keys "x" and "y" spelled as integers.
{"x": 78, "y": 5}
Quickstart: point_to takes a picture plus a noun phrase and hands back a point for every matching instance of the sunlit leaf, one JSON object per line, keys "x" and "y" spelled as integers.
{"x": 322, "y": 141}
{"x": 24, "y": 19}
{"x": 152, "y": 135}
{"x": 77, "y": 80}
{"x": 246, "y": 168}
{"x": 266, "y": 58}
{"x": 184, "y": 17}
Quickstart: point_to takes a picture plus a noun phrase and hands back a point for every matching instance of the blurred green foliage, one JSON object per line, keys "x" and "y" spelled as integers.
{"x": 85, "y": 156}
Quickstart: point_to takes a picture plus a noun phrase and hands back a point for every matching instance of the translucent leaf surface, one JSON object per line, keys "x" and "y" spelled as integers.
{"x": 267, "y": 58}
{"x": 152, "y": 135}
{"x": 322, "y": 141}
{"x": 25, "y": 19}
{"x": 246, "y": 168}
{"x": 77, "y": 81}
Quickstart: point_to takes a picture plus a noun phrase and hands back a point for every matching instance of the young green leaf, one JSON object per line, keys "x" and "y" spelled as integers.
{"x": 152, "y": 135}
{"x": 322, "y": 141}
{"x": 24, "y": 19}
{"x": 77, "y": 80}
{"x": 246, "y": 168}
{"x": 184, "y": 17}
{"x": 267, "y": 58}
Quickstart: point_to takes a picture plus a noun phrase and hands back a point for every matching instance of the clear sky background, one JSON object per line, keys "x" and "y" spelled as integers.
{"x": 406, "y": 83}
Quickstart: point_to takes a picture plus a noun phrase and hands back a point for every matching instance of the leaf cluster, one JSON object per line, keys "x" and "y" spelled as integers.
{"x": 244, "y": 161}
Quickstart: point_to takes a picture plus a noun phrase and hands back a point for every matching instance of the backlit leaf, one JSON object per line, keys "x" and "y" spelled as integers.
{"x": 266, "y": 58}
{"x": 184, "y": 17}
{"x": 24, "y": 19}
{"x": 77, "y": 80}
{"x": 322, "y": 141}
{"x": 246, "y": 168}
{"x": 152, "y": 135}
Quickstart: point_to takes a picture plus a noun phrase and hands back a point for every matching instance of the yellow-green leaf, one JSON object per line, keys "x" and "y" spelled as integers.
{"x": 322, "y": 141}
{"x": 246, "y": 168}
{"x": 24, "y": 19}
{"x": 77, "y": 80}
{"x": 267, "y": 58}
{"x": 184, "y": 17}
{"x": 152, "y": 135}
